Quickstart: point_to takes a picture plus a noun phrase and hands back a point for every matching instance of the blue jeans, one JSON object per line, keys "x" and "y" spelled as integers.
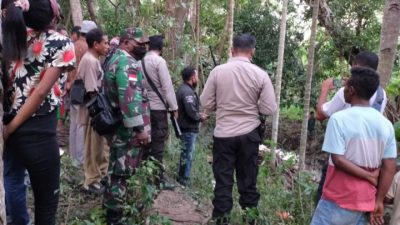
{"x": 185, "y": 162}
{"x": 15, "y": 187}
{"x": 328, "y": 213}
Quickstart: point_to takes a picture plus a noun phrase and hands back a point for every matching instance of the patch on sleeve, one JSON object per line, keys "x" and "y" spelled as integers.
{"x": 189, "y": 99}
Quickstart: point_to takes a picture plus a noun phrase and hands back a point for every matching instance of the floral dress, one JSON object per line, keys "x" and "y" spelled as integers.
{"x": 45, "y": 49}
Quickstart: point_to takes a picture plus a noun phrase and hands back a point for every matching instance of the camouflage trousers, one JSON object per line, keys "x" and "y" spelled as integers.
{"x": 124, "y": 159}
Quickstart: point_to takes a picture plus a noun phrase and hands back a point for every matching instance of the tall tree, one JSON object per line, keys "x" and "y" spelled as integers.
{"x": 198, "y": 50}
{"x": 92, "y": 12}
{"x": 278, "y": 78}
{"x": 176, "y": 11}
{"x": 389, "y": 39}
{"x": 307, "y": 91}
{"x": 76, "y": 10}
{"x": 231, "y": 12}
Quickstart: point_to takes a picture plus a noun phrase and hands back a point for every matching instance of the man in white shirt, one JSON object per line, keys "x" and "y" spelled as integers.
{"x": 326, "y": 108}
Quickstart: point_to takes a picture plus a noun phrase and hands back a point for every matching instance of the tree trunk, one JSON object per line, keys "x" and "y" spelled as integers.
{"x": 389, "y": 39}
{"x": 177, "y": 11}
{"x": 231, "y": 11}
{"x": 338, "y": 33}
{"x": 223, "y": 39}
{"x": 76, "y": 9}
{"x": 198, "y": 50}
{"x": 307, "y": 91}
{"x": 278, "y": 80}
{"x": 92, "y": 12}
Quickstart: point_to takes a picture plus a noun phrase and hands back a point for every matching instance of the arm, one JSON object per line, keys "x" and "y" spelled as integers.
{"x": 189, "y": 103}
{"x": 347, "y": 166}
{"x": 129, "y": 97}
{"x": 208, "y": 97}
{"x": 166, "y": 85}
{"x": 326, "y": 86}
{"x": 34, "y": 101}
{"x": 267, "y": 102}
{"x": 388, "y": 170}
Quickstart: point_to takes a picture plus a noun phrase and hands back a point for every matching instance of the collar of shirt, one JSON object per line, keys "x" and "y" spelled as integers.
{"x": 125, "y": 53}
{"x": 239, "y": 58}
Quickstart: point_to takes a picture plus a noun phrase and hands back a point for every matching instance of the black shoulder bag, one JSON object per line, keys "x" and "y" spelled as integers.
{"x": 104, "y": 118}
{"x": 174, "y": 122}
{"x": 78, "y": 92}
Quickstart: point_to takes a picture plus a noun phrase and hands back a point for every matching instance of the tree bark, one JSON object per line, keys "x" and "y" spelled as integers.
{"x": 389, "y": 39}
{"x": 326, "y": 19}
{"x": 231, "y": 12}
{"x": 223, "y": 39}
{"x": 76, "y": 10}
{"x": 92, "y": 12}
{"x": 307, "y": 91}
{"x": 177, "y": 11}
{"x": 198, "y": 50}
{"x": 278, "y": 80}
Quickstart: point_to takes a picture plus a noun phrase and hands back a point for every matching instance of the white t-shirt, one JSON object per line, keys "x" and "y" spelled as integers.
{"x": 338, "y": 103}
{"x": 364, "y": 137}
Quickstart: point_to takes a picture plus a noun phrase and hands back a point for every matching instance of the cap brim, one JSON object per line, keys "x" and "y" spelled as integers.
{"x": 142, "y": 40}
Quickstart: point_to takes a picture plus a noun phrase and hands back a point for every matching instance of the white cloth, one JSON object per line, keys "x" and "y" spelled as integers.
{"x": 338, "y": 103}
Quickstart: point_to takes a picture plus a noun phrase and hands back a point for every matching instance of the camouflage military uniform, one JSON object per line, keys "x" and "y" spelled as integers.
{"x": 123, "y": 86}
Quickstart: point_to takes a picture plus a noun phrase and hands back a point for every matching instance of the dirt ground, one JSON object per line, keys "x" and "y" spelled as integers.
{"x": 181, "y": 209}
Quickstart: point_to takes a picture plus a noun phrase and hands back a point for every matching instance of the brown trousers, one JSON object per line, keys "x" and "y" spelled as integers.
{"x": 97, "y": 154}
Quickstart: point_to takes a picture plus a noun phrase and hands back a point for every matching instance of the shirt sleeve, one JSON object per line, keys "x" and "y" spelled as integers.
{"x": 189, "y": 102}
{"x": 88, "y": 71}
{"x": 166, "y": 85}
{"x": 336, "y": 104}
{"x": 267, "y": 102}
{"x": 62, "y": 52}
{"x": 129, "y": 94}
{"x": 390, "y": 148}
{"x": 334, "y": 141}
{"x": 208, "y": 97}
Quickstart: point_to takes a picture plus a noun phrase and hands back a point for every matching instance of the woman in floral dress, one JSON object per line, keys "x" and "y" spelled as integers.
{"x": 37, "y": 56}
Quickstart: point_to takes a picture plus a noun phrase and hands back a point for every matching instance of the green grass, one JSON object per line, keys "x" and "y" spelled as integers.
{"x": 280, "y": 189}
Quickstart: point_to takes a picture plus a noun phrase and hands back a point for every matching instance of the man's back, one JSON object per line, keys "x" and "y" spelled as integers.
{"x": 365, "y": 137}
{"x": 157, "y": 70}
{"x": 242, "y": 91}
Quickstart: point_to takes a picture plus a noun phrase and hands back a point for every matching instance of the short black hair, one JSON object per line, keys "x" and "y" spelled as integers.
{"x": 76, "y": 30}
{"x": 156, "y": 42}
{"x": 95, "y": 35}
{"x": 188, "y": 72}
{"x": 367, "y": 59}
{"x": 244, "y": 41}
{"x": 365, "y": 81}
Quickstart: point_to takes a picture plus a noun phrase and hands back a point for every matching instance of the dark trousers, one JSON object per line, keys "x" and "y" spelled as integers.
{"x": 321, "y": 183}
{"x": 235, "y": 153}
{"x": 39, "y": 155}
{"x": 159, "y": 134}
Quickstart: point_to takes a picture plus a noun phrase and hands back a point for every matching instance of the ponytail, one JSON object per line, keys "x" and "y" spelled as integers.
{"x": 38, "y": 16}
{"x": 14, "y": 34}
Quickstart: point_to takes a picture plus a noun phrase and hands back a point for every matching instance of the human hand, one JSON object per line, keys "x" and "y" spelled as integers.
{"x": 376, "y": 217}
{"x": 175, "y": 114}
{"x": 203, "y": 116}
{"x": 328, "y": 84}
{"x": 374, "y": 177}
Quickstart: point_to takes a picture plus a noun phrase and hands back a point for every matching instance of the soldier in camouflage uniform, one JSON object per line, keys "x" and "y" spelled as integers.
{"x": 123, "y": 87}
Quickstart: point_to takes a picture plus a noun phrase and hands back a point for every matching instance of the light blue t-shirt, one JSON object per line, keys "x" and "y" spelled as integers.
{"x": 362, "y": 134}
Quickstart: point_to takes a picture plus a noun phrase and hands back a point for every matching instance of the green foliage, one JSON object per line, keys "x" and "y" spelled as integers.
{"x": 280, "y": 189}
{"x": 262, "y": 22}
{"x": 293, "y": 113}
{"x": 397, "y": 130}
{"x": 393, "y": 88}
